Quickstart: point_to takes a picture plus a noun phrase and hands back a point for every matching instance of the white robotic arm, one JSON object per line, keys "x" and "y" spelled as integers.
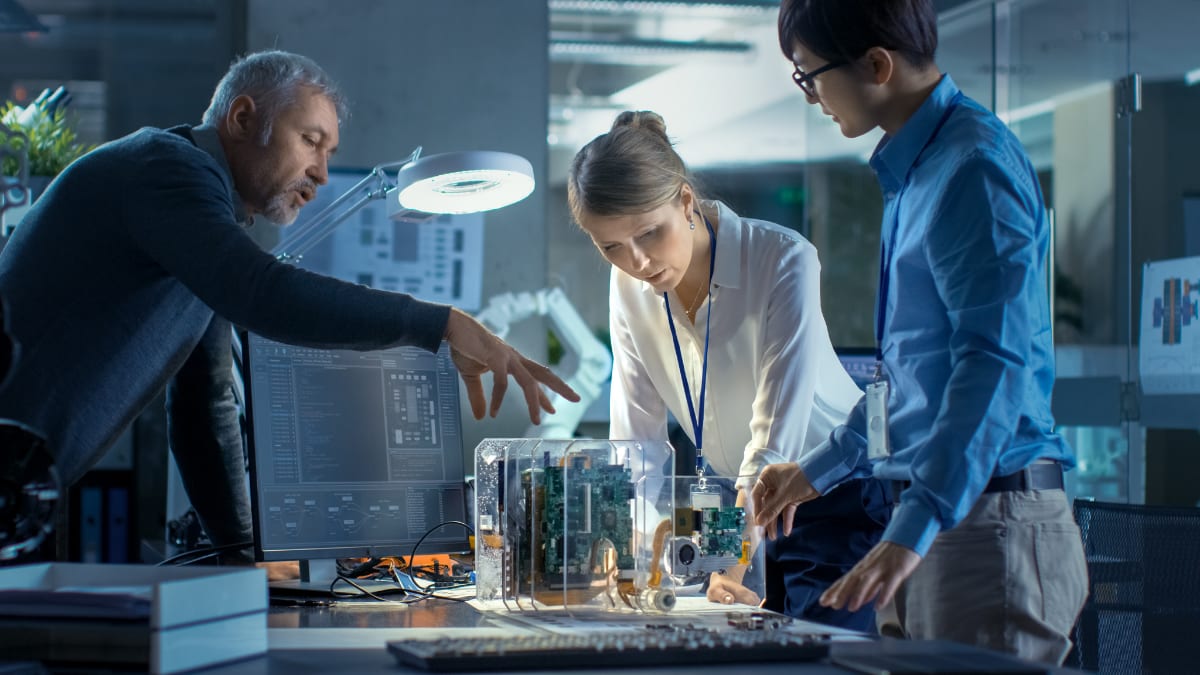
{"x": 593, "y": 362}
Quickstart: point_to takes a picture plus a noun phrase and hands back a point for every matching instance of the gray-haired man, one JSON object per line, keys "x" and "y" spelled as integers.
{"x": 125, "y": 276}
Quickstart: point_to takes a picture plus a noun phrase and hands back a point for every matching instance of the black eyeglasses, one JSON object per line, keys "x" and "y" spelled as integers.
{"x": 807, "y": 81}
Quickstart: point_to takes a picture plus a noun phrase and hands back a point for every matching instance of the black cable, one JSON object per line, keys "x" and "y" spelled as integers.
{"x": 363, "y": 591}
{"x": 433, "y": 529}
{"x": 439, "y": 575}
{"x": 203, "y": 553}
{"x": 413, "y": 555}
{"x": 426, "y": 595}
{"x": 206, "y": 556}
{"x": 361, "y": 569}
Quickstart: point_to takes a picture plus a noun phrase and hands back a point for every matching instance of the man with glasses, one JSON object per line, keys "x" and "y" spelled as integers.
{"x": 807, "y": 81}
{"x": 982, "y": 547}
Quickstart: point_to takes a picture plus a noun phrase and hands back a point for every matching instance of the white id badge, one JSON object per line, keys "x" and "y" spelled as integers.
{"x": 877, "y": 421}
{"x": 706, "y": 495}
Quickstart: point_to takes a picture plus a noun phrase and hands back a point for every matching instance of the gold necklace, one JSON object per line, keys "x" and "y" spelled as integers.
{"x": 691, "y": 310}
{"x": 700, "y": 291}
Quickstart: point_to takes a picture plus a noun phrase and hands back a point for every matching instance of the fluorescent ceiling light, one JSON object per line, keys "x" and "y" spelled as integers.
{"x": 1042, "y": 107}
{"x": 636, "y": 51}
{"x": 691, "y": 7}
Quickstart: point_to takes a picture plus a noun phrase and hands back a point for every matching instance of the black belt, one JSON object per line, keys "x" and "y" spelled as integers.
{"x": 1041, "y": 475}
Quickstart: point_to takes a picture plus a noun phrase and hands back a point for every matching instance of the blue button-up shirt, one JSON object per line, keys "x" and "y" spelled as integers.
{"x": 966, "y": 340}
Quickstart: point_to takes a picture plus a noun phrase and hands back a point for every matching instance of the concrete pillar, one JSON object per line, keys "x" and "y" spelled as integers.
{"x": 446, "y": 75}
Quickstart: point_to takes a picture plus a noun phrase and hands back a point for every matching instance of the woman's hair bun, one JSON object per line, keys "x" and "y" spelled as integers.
{"x": 642, "y": 119}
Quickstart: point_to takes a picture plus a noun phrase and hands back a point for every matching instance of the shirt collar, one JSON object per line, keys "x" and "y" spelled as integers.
{"x": 728, "y": 272}
{"x": 895, "y": 155}
{"x": 207, "y": 140}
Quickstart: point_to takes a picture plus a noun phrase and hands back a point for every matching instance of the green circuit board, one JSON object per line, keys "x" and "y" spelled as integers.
{"x": 721, "y": 531}
{"x": 575, "y": 507}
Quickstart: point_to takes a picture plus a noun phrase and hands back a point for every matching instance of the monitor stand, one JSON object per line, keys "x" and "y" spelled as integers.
{"x": 317, "y": 576}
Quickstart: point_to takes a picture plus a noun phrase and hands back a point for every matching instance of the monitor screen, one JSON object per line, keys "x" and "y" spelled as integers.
{"x": 859, "y": 362}
{"x": 353, "y": 454}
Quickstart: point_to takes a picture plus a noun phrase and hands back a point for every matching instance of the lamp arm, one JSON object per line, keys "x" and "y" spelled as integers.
{"x": 319, "y": 226}
{"x": 292, "y": 249}
{"x": 312, "y": 231}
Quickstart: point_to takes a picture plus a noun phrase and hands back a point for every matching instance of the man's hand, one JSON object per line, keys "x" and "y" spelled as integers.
{"x": 779, "y": 490}
{"x": 476, "y": 350}
{"x": 875, "y": 577}
{"x": 723, "y": 589}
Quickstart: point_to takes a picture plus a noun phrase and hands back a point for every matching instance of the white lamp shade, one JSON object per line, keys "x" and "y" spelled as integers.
{"x": 464, "y": 182}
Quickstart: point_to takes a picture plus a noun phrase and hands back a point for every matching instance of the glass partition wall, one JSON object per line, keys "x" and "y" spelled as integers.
{"x": 1121, "y": 183}
{"x": 1062, "y": 81}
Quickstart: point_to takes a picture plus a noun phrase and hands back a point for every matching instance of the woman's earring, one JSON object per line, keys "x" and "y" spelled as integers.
{"x": 691, "y": 224}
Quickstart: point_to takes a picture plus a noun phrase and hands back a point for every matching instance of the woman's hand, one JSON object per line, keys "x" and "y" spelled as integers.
{"x": 723, "y": 589}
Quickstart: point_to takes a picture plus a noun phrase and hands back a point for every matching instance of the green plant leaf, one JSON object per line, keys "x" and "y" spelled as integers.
{"x": 52, "y": 144}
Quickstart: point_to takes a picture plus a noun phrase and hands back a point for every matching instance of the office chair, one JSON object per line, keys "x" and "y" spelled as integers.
{"x": 1143, "y": 609}
{"x": 29, "y": 485}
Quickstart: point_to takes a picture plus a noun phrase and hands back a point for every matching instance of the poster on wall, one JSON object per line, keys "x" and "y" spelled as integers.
{"x": 438, "y": 260}
{"x": 1169, "y": 347}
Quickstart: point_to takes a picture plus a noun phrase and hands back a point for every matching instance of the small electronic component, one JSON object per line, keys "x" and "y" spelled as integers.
{"x": 708, "y": 539}
{"x": 757, "y": 620}
{"x": 594, "y": 506}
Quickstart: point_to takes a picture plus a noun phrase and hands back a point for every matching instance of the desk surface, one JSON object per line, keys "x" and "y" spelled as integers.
{"x": 351, "y": 637}
{"x": 374, "y": 614}
{"x": 365, "y": 662}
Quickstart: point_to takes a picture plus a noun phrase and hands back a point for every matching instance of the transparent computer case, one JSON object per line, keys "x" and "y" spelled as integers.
{"x": 599, "y": 525}
{"x": 714, "y": 534}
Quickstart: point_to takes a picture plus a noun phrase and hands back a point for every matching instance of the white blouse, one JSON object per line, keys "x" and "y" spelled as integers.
{"x": 775, "y": 386}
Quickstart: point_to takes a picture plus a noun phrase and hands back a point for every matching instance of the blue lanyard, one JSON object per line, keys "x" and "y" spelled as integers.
{"x": 886, "y": 251}
{"x": 697, "y": 420}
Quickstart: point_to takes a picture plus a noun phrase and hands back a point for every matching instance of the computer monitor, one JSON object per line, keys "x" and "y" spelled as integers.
{"x": 352, "y": 454}
{"x": 859, "y": 362}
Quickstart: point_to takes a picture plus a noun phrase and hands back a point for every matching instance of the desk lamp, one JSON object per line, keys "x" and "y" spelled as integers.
{"x": 450, "y": 183}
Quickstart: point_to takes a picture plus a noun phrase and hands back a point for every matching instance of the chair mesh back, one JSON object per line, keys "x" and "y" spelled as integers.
{"x": 1143, "y": 608}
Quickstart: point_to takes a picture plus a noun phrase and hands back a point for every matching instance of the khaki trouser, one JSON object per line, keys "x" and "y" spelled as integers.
{"x": 1011, "y": 577}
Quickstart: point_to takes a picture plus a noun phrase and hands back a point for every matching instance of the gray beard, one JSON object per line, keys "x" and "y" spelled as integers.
{"x": 279, "y": 209}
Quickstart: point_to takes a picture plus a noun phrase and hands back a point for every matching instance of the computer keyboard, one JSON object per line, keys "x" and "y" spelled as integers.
{"x": 656, "y": 645}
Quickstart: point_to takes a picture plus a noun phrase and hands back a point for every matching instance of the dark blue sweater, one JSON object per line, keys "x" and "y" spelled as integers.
{"x": 113, "y": 276}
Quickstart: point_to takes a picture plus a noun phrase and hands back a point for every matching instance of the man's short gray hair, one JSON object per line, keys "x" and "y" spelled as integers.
{"x": 272, "y": 78}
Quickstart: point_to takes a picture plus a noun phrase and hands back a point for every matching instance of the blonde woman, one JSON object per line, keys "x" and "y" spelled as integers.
{"x": 717, "y": 319}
